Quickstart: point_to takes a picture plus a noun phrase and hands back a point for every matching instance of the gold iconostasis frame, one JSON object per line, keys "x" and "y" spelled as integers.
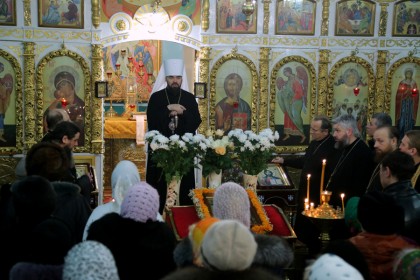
{"x": 322, "y": 92}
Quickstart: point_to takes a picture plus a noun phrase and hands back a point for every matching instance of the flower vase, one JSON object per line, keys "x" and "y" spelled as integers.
{"x": 250, "y": 181}
{"x": 172, "y": 193}
{"x": 215, "y": 179}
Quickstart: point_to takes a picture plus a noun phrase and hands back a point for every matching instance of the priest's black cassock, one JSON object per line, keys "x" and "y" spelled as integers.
{"x": 158, "y": 119}
{"x": 352, "y": 172}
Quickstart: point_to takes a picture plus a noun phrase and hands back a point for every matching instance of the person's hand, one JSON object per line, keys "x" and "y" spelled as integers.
{"x": 176, "y": 109}
{"x": 278, "y": 160}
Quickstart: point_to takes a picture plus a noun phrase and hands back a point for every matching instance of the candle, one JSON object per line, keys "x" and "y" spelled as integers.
{"x": 324, "y": 162}
{"x": 312, "y": 206}
{"x": 342, "y": 202}
{"x": 307, "y": 188}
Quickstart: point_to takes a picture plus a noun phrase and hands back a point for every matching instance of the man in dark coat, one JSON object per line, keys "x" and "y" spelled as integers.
{"x": 397, "y": 168}
{"x": 321, "y": 147}
{"x": 172, "y": 110}
{"x": 410, "y": 144}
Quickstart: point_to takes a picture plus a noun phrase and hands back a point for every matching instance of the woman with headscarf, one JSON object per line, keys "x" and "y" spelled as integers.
{"x": 124, "y": 176}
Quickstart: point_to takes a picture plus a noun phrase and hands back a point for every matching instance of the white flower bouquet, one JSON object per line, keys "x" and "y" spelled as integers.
{"x": 175, "y": 155}
{"x": 254, "y": 151}
{"x": 216, "y": 157}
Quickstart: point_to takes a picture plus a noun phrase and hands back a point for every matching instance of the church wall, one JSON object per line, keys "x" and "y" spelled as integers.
{"x": 263, "y": 55}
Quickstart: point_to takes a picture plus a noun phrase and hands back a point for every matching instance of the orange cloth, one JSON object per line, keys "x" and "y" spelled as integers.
{"x": 120, "y": 128}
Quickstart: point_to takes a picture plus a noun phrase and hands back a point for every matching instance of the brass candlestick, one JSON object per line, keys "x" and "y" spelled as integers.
{"x": 111, "y": 112}
{"x": 324, "y": 217}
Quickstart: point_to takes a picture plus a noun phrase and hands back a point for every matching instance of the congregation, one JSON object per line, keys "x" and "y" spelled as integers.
{"x": 50, "y": 231}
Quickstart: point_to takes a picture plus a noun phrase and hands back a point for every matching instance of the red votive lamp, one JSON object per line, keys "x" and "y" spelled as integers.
{"x": 356, "y": 91}
{"x": 63, "y": 102}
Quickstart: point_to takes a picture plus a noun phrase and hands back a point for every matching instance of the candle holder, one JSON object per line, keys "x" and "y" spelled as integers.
{"x": 111, "y": 112}
{"x": 324, "y": 217}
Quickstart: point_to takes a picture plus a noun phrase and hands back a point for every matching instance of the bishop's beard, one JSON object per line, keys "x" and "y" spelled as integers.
{"x": 173, "y": 90}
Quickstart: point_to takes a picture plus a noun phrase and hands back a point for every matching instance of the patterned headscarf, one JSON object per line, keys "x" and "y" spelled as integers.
{"x": 90, "y": 260}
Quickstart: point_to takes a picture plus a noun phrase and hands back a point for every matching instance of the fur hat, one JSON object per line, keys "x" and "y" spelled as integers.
{"x": 378, "y": 213}
{"x": 33, "y": 198}
{"x": 48, "y": 160}
{"x": 124, "y": 176}
{"x": 228, "y": 245}
{"x": 329, "y": 266}
{"x": 89, "y": 260}
{"x": 407, "y": 264}
{"x": 141, "y": 203}
{"x": 231, "y": 201}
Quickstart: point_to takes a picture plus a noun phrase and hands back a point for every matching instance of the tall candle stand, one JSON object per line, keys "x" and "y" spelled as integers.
{"x": 131, "y": 97}
{"x": 111, "y": 112}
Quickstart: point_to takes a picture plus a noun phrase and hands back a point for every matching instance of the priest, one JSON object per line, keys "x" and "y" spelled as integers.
{"x": 172, "y": 109}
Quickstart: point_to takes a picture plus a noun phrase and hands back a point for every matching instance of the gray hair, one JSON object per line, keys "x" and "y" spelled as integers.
{"x": 347, "y": 121}
{"x": 382, "y": 119}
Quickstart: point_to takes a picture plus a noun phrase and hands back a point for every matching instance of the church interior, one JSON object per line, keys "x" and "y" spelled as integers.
{"x": 349, "y": 55}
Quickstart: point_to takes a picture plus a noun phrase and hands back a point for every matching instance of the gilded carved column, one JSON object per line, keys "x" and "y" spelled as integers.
{"x": 325, "y": 15}
{"x": 203, "y": 104}
{"x": 324, "y": 60}
{"x": 95, "y": 13}
{"x": 29, "y": 94}
{"x": 380, "y": 94}
{"x": 27, "y": 12}
{"x": 98, "y": 146}
{"x": 205, "y": 15}
{"x": 264, "y": 80}
{"x": 383, "y": 19}
{"x": 266, "y": 16}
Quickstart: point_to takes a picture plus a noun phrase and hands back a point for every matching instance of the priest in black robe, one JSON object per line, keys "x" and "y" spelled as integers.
{"x": 172, "y": 110}
{"x": 351, "y": 172}
{"x": 321, "y": 147}
{"x": 355, "y": 165}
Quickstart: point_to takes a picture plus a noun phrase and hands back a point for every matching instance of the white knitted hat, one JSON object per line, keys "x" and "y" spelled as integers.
{"x": 228, "y": 246}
